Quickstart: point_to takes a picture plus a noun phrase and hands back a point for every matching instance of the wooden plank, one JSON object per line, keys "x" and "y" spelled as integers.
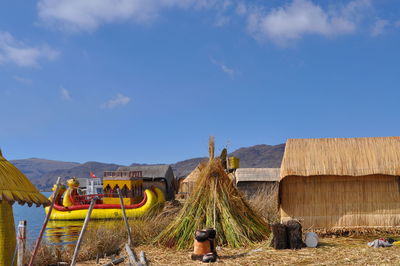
{"x": 21, "y": 242}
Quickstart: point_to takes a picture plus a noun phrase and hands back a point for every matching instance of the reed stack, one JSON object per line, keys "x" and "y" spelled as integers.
{"x": 215, "y": 202}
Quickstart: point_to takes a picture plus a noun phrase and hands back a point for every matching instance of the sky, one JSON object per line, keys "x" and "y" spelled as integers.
{"x": 148, "y": 81}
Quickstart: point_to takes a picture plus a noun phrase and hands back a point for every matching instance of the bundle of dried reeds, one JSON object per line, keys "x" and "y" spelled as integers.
{"x": 14, "y": 187}
{"x": 341, "y": 156}
{"x": 215, "y": 202}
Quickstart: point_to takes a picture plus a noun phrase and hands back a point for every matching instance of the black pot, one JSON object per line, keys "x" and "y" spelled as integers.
{"x": 209, "y": 257}
{"x": 201, "y": 235}
{"x": 211, "y": 233}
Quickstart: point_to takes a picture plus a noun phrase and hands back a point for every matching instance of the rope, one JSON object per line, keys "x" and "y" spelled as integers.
{"x": 215, "y": 202}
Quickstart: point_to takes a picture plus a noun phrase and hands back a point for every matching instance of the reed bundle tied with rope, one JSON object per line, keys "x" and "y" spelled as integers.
{"x": 215, "y": 202}
{"x": 14, "y": 187}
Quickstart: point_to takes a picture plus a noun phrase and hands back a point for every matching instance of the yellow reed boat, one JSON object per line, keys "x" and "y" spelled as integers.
{"x": 69, "y": 205}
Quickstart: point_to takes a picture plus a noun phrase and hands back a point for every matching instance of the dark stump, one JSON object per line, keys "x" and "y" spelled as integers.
{"x": 280, "y": 237}
{"x": 295, "y": 234}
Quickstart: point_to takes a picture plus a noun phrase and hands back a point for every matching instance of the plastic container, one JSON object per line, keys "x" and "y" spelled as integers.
{"x": 233, "y": 162}
{"x": 311, "y": 240}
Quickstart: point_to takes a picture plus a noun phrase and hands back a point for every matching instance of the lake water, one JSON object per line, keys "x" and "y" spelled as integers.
{"x": 57, "y": 232}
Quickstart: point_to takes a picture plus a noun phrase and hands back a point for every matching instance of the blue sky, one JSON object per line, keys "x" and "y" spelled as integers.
{"x": 148, "y": 81}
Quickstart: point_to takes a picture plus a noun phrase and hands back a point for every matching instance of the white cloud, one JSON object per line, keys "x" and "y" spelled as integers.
{"x": 397, "y": 23}
{"x": 221, "y": 20}
{"x": 18, "y": 53}
{"x": 65, "y": 95}
{"x": 302, "y": 17}
{"x": 77, "y": 15}
{"x": 379, "y": 27}
{"x": 118, "y": 100}
{"x": 229, "y": 71}
{"x": 22, "y": 80}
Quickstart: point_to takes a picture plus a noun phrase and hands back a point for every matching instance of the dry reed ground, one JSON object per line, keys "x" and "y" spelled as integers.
{"x": 333, "y": 250}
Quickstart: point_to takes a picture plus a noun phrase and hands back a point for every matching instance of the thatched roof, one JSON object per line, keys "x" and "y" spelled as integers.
{"x": 194, "y": 175}
{"x": 15, "y": 186}
{"x": 149, "y": 171}
{"x": 257, "y": 174}
{"x": 342, "y": 156}
{"x": 155, "y": 172}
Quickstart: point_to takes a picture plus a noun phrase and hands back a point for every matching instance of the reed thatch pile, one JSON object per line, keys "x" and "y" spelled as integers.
{"x": 341, "y": 182}
{"x": 14, "y": 186}
{"x": 215, "y": 202}
{"x": 341, "y": 157}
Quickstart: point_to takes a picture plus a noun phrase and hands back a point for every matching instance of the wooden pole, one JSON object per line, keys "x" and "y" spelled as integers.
{"x": 83, "y": 230}
{"x": 131, "y": 255}
{"x": 142, "y": 258}
{"x": 115, "y": 262}
{"x": 46, "y": 220}
{"x": 125, "y": 218}
{"x": 21, "y": 242}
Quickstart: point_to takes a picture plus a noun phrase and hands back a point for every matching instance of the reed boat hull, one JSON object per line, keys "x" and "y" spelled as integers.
{"x": 102, "y": 211}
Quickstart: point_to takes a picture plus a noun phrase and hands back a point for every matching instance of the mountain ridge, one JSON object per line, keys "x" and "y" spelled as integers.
{"x": 43, "y": 173}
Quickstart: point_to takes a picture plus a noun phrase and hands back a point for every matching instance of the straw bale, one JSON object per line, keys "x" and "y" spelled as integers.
{"x": 341, "y": 156}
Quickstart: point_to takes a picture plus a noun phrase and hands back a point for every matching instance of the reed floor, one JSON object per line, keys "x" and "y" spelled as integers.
{"x": 332, "y": 251}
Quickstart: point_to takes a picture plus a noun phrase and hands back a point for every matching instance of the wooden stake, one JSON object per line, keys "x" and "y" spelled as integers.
{"x": 115, "y": 262}
{"x": 131, "y": 255}
{"x": 83, "y": 230}
{"x": 125, "y": 218}
{"x": 46, "y": 220}
{"x": 142, "y": 258}
{"x": 21, "y": 242}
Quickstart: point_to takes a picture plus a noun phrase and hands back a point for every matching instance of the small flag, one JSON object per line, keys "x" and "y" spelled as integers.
{"x": 92, "y": 175}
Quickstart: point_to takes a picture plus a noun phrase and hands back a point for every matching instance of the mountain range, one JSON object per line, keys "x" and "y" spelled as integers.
{"x": 43, "y": 173}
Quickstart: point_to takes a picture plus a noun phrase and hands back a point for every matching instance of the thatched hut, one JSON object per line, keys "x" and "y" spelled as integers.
{"x": 341, "y": 182}
{"x": 252, "y": 180}
{"x": 186, "y": 185}
{"x": 14, "y": 187}
{"x": 160, "y": 176}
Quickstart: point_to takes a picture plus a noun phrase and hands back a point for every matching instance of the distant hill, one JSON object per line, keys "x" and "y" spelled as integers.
{"x": 43, "y": 173}
{"x": 259, "y": 156}
{"x": 35, "y": 168}
{"x": 183, "y": 168}
{"x": 81, "y": 170}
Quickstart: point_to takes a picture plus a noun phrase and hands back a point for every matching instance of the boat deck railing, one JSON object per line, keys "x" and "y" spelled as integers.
{"x": 86, "y": 199}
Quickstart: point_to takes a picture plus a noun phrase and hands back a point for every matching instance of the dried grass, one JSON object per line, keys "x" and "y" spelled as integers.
{"x": 265, "y": 203}
{"x": 332, "y": 251}
{"x": 16, "y": 187}
{"x": 341, "y": 157}
{"x": 215, "y": 200}
{"x": 341, "y": 201}
{"x": 108, "y": 237}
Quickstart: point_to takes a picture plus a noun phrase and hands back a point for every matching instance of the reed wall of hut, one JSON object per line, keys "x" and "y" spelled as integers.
{"x": 160, "y": 176}
{"x": 341, "y": 183}
{"x": 251, "y": 181}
